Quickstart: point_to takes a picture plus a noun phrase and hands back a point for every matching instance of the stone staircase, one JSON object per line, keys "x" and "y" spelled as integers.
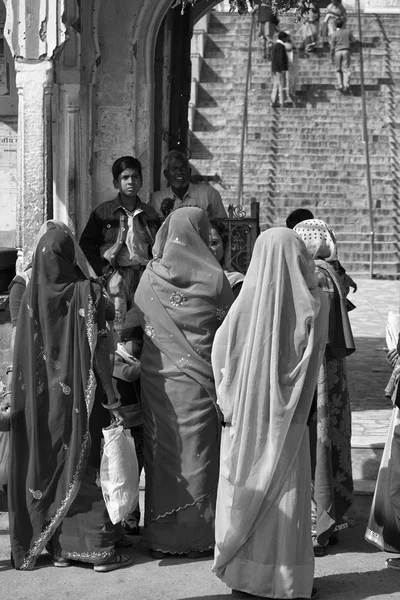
{"x": 311, "y": 155}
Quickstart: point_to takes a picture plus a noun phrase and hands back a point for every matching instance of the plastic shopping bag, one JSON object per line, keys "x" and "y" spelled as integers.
{"x": 119, "y": 473}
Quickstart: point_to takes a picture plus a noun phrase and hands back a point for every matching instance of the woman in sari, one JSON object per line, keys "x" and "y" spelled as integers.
{"x": 182, "y": 298}
{"x": 330, "y": 428}
{"x": 60, "y": 352}
{"x": 266, "y": 357}
{"x": 383, "y": 528}
{"x": 219, "y": 246}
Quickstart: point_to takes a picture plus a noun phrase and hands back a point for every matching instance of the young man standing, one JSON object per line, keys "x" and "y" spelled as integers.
{"x": 340, "y": 41}
{"x": 119, "y": 235}
{"x": 279, "y": 68}
{"x": 180, "y": 192}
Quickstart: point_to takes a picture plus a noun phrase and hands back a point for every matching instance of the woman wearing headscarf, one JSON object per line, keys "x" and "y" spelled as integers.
{"x": 60, "y": 356}
{"x": 330, "y": 429}
{"x": 219, "y": 246}
{"x": 266, "y": 357}
{"x": 383, "y": 529}
{"x": 182, "y": 298}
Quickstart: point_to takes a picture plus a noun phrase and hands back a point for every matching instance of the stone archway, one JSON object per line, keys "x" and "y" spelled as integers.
{"x": 88, "y": 70}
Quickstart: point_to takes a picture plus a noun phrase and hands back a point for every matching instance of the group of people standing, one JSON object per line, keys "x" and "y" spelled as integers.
{"x": 284, "y": 55}
{"x": 241, "y": 405}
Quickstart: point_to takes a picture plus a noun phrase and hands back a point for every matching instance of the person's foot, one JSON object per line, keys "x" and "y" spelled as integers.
{"x": 318, "y": 549}
{"x": 393, "y": 563}
{"x": 340, "y": 89}
{"x": 60, "y": 562}
{"x": 346, "y": 90}
{"x": 120, "y": 561}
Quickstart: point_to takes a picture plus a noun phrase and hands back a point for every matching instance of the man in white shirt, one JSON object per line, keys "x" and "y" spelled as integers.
{"x": 180, "y": 192}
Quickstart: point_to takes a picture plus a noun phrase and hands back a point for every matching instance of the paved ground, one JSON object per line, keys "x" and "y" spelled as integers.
{"x": 354, "y": 570}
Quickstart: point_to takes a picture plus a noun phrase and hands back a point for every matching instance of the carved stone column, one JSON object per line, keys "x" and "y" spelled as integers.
{"x": 35, "y": 181}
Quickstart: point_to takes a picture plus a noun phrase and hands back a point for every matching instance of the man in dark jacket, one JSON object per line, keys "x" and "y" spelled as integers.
{"x": 119, "y": 235}
{"x": 279, "y": 67}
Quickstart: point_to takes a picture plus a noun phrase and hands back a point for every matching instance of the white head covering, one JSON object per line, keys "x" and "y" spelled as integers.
{"x": 266, "y": 356}
{"x": 319, "y": 239}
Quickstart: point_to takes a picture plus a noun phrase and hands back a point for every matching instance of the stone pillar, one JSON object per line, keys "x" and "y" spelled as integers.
{"x": 35, "y": 180}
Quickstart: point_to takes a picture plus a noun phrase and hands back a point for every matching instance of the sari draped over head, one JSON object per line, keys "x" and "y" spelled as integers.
{"x": 53, "y": 392}
{"x": 80, "y": 259}
{"x": 183, "y": 297}
{"x": 266, "y": 357}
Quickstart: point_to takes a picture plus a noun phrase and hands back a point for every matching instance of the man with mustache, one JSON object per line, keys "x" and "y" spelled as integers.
{"x": 181, "y": 192}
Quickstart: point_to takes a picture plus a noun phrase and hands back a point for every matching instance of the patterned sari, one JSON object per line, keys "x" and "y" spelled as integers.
{"x": 182, "y": 297}
{"x": 54, "y": 500}
{"x": 330, "y": 427}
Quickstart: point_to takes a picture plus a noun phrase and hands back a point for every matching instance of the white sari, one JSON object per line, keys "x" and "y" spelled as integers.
{"x": 266, "y": 357}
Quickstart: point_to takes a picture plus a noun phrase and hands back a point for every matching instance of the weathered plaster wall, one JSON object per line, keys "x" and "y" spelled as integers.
{"x": 8, "y": 140}
{"x": 114, "y": 94}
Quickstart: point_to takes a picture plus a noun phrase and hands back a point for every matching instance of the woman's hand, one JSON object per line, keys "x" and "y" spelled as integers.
{"x": 117, "y": 416}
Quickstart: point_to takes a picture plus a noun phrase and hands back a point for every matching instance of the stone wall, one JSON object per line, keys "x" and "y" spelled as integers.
{"x": 8, "y": 140}
{"x": 312, "y": 154}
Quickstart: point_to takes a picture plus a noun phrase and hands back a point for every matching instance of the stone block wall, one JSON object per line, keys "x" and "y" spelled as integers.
{"x": 313, "y": 154}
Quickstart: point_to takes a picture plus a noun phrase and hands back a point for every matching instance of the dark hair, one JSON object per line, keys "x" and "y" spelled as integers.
{"x": 126, "y": 162}
{"x": 221, "y": 228}
{"x": 339, "y": 23}
{"x": 283, "y": 36}
{"x": 297, "y": 216}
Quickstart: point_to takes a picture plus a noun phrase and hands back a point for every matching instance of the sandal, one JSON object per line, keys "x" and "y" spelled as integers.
{"x": 121, "y": 560}
{"x": 393, "y": 563}
{"x": 60, "y": 562}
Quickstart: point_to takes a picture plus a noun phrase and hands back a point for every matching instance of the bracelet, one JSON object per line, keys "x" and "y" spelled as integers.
{"x": 114, "y": 406}
{"x": 9, "y": 369}
{"x": 6, "y": 394}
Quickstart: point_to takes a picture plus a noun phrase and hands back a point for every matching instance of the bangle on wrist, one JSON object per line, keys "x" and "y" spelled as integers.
{"x": 113, "y": 406}
{"x": 9, "y": 369}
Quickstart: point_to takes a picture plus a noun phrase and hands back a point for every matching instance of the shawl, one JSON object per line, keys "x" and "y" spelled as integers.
{"x": 53, "y": 390}
{"x": 80, "y": 259}
{"x": 183, "y": 295}
{"x": 322, "y": 245}
{"x": 266, "y": 357}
